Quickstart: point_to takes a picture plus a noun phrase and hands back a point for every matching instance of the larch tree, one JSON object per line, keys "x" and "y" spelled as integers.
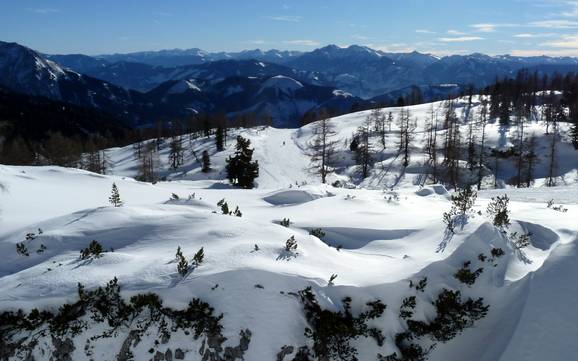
{"x": 323, "y": 147}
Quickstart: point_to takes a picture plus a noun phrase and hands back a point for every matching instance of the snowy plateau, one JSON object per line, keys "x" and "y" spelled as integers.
{"x": 349, "y": 270}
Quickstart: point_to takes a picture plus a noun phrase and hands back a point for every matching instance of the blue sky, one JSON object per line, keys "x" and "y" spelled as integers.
{"x": 520, "y": 27}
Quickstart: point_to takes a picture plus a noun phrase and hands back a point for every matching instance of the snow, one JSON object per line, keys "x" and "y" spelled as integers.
{"x": 282, "y": 83}
{"x": 183, "y": 86}
{"x": 387, "y": 237}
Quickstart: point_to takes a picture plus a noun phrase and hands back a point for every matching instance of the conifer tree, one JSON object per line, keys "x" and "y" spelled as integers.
{"x": 219, "y": 139}
{"x": 241, "y": 169}
{"x": 176, "y": 152}
{"x": 206, "y": 167}
{"x": 114, "y": 198}
{"x": 182, "y": 265}
{"x": 363, "y": 151}
{"x": 483, "y": 121}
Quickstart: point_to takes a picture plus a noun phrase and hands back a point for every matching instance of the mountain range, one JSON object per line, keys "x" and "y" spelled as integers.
{"x": 145, "y": 87}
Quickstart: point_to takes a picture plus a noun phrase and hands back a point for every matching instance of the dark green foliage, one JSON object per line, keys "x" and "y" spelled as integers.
{"x": 114, "y": 198}
{"x": 198, "y": 258}
{"x": 317, "y": 232}
{"x": 105, "y": 305}
{"x": 206, "y": 162}
{"x": 285, "y": 222}
{"x": 331, "y": 332}
{"x": 219, "y": 139}
{"x": 237, "y": 212}
{"x": 225, "y": 209}
{"x": 183, "y": 265}
{"x": 464, "y": 200}
{"x": 497, "y": 252}
{"x": 420, "y": 286}
{"x": 41, "y": 249}
{"x": 241, "y": 169}
{"x": 291, "y": 244}
{"x": 453, "y": 315}
{"x": 498, "y": 210}
{"x": 94, "y": 249}
{"x": 21, "y": 249}
{"x": 448, "y": 220}
{"x": 465, "y": 275}
{"x": 224, "y": 206}
{"x": 331, "y": 279}
{"x": 407, "y": 306}
{"x": 522, "y": 240}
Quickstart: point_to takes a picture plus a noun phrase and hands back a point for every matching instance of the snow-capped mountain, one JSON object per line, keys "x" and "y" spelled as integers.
{"x": 359, "y": 70}
{"x": 25, "y": 71}
{"x": 283, "y": 99}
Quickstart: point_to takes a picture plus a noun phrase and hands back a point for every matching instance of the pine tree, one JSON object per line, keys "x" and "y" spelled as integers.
{"x": 241, "y": 170}
{"x": 176, "y": 152}
{"x": 114, "y": 198}
{"x": 483, "y": 122}
{"x": 198, "y": 258}
{"x": 182, "y": 265}
{"x": 363, "y": 151}
{"x": 219, "y": 139}
{"x": 206, "y": 167}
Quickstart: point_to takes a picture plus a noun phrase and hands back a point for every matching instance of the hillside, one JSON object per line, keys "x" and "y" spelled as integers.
{"x": 378, "y": 234}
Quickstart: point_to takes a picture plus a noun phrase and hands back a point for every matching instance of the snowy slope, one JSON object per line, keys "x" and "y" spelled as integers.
{"x": 385, "y": 238}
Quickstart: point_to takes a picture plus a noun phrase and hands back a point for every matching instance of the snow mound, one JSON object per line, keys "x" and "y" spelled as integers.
{"x": 436, "y": 189}
{"x": 292, "y": 197}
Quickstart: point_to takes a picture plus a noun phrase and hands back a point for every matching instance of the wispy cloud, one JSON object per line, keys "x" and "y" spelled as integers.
{"x": 455, "y": 32}
{"x": 534, "y": 35}
{"x": 548, "y": 52}
{"x": 460, "y": 39}
{"x": 484, "y": 28}
{"x": 45, "y": 11}
{"x": 286, "y": 18}
{"x": 424, "y": 31}
{"x": 567, "y": 41}
{"x": 491, "y": 27}
{"x": 554, "y": 24}
{"x": 302, "y": 42}
{"x": 255, "y": 42}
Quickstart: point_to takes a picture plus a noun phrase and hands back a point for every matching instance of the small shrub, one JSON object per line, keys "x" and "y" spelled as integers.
{"x": 497, "y": 252}
{"x": 175, "y": 197}
{"x": 466, "y": 276}
{"x": 331, "y": 279}
{"x": 94, "y": 249}
{"x": 522, "y": 240}
{"x": 420, "y": 286}
{"x": 317, "y": 232}
{"x": 183, "y": 265}
{"x": 198, "y": 258}
{"x": 21, "y": 249}
{"x": 285, "y": 222}
{"x": 498, "y": 211}
{"x": 291, "y": 244}
{"x": 224, "y": 206}
{"x": 237, "y": 212}
{"x": 41, "y": 249}
{"x": 407, "y": 306}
